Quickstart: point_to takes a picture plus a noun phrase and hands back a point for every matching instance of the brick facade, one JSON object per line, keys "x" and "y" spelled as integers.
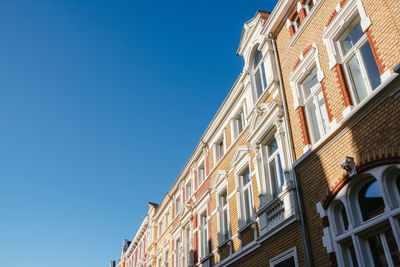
{"x": 368, "y": 131}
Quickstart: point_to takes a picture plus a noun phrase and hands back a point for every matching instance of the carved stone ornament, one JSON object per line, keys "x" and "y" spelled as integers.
{"x": 348, "y": 164}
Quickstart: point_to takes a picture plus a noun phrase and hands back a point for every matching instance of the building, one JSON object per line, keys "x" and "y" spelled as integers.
{"x": 301, "y": 164}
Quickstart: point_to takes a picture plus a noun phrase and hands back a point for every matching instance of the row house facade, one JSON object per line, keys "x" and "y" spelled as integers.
{"x": 301, "y": 164}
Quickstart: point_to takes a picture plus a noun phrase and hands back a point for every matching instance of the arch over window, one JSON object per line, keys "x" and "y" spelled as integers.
{"x": 370, "y": 200}
{"x": 258, "y": 73}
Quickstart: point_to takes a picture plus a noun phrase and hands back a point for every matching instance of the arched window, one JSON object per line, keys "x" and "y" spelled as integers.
{"x": 374, "y": 238}
{"x": 398, "y": 183}
{"x": 370, "y": 200}
{"x": 258, "y": 70}
{"x": 342, "y": 221}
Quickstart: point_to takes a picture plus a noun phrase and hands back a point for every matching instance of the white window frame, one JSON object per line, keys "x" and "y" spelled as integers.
{"x": 313, "y": 97}
{"x": 187, "y": 244}
{"x": 203, "y": 233}
{"x": 217, "y": 148}
{"x": 224, "y": 231}
{"x": 167, "y": 217}
{"x": 243, "y": 220}
{"x": 266, "y": 159}
{"x": 201, "y": 169}
{"x": 189, "y": 186}
{"x": 332, "y": 37}
{"x": 160, "y": 228}
{"x": 284, "y": 256}
{"x": 235, "y": 122}
{"x": 177, "y": 261}
{"x": 337, "y": 26}
{"x": 263, "y": 74}
{"x": 335, "y": 236}
{"x": 166, "y": 257}
{"x": 178, "y": 199}
{"x": 308, "y": 63}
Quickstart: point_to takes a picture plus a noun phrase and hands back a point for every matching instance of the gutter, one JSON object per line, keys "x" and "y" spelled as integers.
{"x": 303, "y": 227}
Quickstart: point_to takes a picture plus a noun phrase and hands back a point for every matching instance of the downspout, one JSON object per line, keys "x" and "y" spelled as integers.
{"x": 303, "y": 227}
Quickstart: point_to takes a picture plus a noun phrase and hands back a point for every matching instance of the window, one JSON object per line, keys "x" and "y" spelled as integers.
{"x": 177, "y": 255}
{"x": 364, "y": 222}
{"x": 246, "y": 200}
{"x": 188, "y": 190}
{"x": 347, "y": 45}
{"x": 309, "y": 6}
{"x": 286, "y": 259}
{"x": 219, "y": 149}
{"x": 201, "y": 173}
{"x": 359, "y": 62}
{"x": 305, "y": 81}
{"x": 166, "y": 258}
{"x": 315, "y": 107}
{"x": 203, "y": 235}
{"x": 273, "y": 166}
{"x": 167, "y": 219}
{"x": 238, "y": 123}
{"x": 296, "y": 22}
{"x": 187, "y": 253}
{"x": 223, "y": 217}
{"x": 258, "y": 71}
{"x": 177, "y": 206}
{"x": 160, "y": 230}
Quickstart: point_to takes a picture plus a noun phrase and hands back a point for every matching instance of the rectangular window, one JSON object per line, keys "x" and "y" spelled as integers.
{"x": 177, "y": 206}
{"x": 315, "y": 107}
{"x": 359, "y": 62}
{"x": 160, "y": 230}
{"x": 177, "y": 256}
{"x": 238, "y": 124}
{"x": 188, "y": 190}
{"x": 286, "y": 259}
{"x": 203, "y": 235}
{"x": 224, "y": 216}
{"x": 201, "y": 174}
{"x": 219, "y": 149}
{"x": 246, "y": 196}
{"x": 166, "y": 259}
{"x": 273, "y": 167}
{"x": 167, "y": 219}
{"x": 259, "y": 76}
{"x": 187, "y": 252}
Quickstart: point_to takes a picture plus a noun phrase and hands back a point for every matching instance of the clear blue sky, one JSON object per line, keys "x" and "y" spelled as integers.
{"x": 101, "y": 104}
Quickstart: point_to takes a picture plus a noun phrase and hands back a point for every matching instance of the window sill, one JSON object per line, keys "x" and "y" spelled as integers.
{"x": 225, "y": 242}
{"x": 307, "y": 21}
{"x": 246, "y": 225}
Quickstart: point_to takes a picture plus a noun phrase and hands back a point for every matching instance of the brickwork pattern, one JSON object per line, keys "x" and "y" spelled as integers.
{"x": 374, "y": 135}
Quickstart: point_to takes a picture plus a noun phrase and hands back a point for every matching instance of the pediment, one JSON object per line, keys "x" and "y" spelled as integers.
{"x": 262, "y": 113}
{"x": 249, "y": 28}
{"x": 240, "y": 152}
{"x": 219, "y": 177}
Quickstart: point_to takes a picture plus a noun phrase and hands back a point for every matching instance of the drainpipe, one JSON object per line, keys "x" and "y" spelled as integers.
{"x": 304, "y": 235}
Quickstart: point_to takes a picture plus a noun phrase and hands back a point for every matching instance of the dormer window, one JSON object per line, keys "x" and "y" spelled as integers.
{"x": 259, "y": 77}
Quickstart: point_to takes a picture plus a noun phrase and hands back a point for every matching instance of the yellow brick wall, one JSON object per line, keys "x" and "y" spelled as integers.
{"x": 384, "y": 32}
